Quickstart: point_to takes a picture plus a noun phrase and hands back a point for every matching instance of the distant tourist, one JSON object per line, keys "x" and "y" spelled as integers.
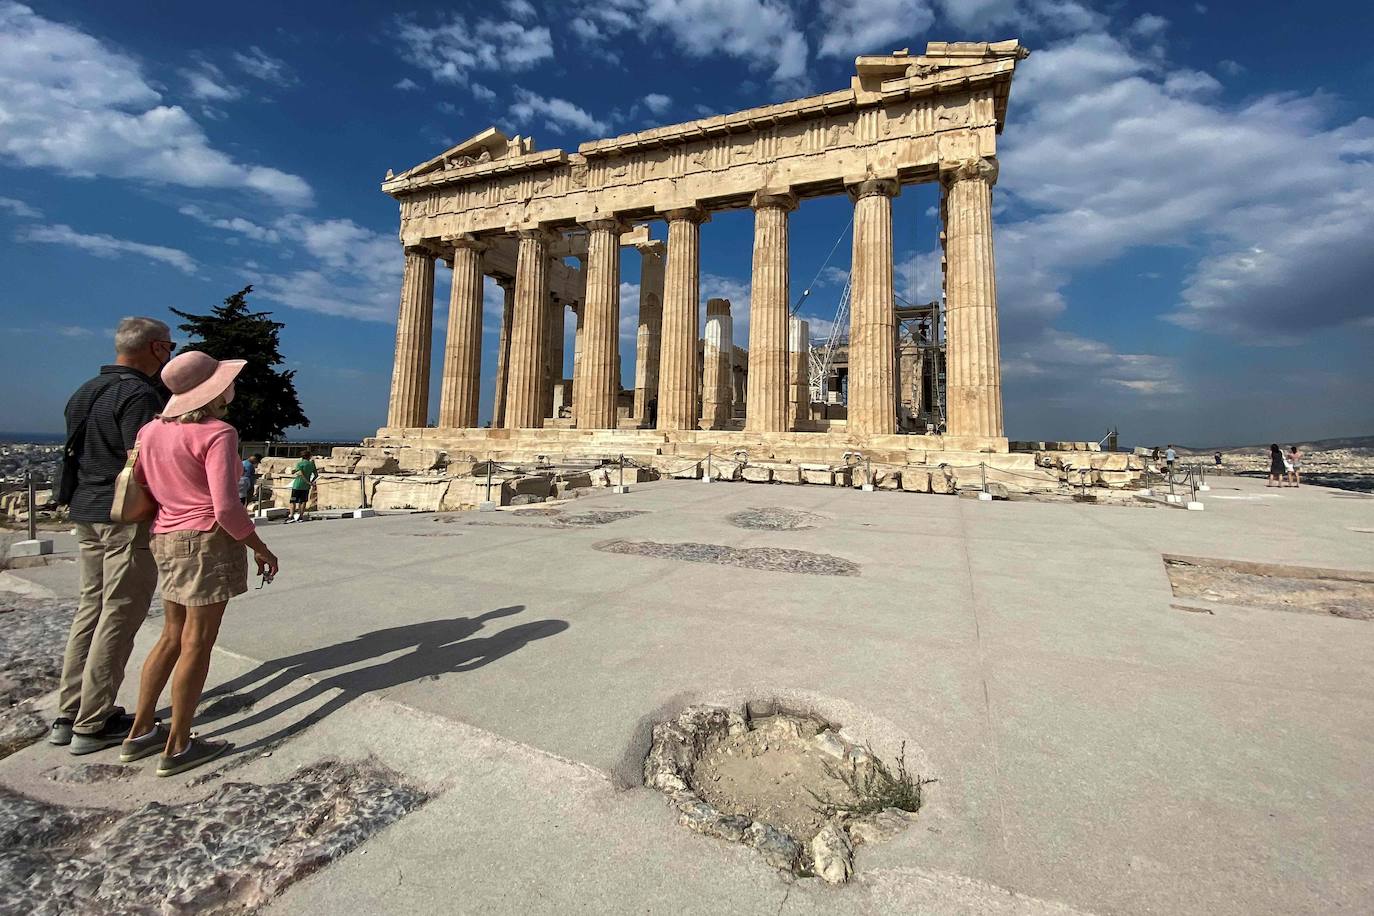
{"x": 248, "y": 483}
{"x": 1294, "y": 465}
{"x": 1278, "y": 468}
{"x": 1170, "y": 458}
{"x": 189, "y": 462}
{"x": 117, "y": 572}
{"x": 302, "y": 479}
{"x": 1216, "y": 459}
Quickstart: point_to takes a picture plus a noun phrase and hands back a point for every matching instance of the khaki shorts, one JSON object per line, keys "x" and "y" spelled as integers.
{"x": 200, "y": 567}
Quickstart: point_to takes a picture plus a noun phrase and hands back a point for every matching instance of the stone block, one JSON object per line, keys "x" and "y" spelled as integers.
{"x": 681, "y": 471}
{"x": 377, "y": 466}
{"x": 339, "y": 491}
{"x": 271, "y": 514}
{"x": 424, "y": 493}
{"x": 997, "y": 490}
{"x": 787, "y": 473}
{"x": 531, "y": 485}
{"x": 757, "y": 474}
{"x": 362, "y": 513}
{"x": 879, "y": 478}
{"x": 1115, "y": 480}
{"x": 942, "y": 481}
{"x": 36, "y": 548}
{"x": 916, "y": 480}
{"x": 725, "y": 470}
{"x": 818, "y": 474}
{"x": 419, "y": 459}
{"x": 572, "y": 481}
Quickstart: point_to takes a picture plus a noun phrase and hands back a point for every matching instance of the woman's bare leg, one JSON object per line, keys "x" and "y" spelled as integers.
{"x": 188, "y": 680}
{"x": 158, "y": 667}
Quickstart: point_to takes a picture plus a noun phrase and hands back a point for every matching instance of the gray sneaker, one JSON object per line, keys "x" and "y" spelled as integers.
{"x": 198, "y": 751}
{"x": 61, "y": 732}
{"x": 115, "y": 730}
{"x": 137, "y": 748}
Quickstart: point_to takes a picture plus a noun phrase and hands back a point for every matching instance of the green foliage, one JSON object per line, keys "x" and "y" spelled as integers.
{"x": 874, "y": 787}
{"x": 265, "y": 401}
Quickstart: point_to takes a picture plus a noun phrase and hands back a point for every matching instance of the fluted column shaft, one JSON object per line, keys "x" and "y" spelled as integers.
{"x": 678, "y": 376}
{"x": 973, "y": 369}
{"x": 529, "y": 335}
{"x": 798, "y": 372}
{"x": 648, "y": 338}
{"x": 769, "y": 306}
{"x": 553, "y": 356}
{"x": 597, "y": 383}
{"x": 872, "y": 320}
{"x": 718, "y": 350}
{"x": 414, "y": 326}
{"x": 462, "y": 377}
{"x": 498, "y": 409}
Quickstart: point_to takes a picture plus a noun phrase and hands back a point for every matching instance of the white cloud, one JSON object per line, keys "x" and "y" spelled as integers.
{"x": 207, "y": 83}
{"x": 1057, "y": 16}
{"x": 258, "y": 64}
{"x": 657, "y": 102}
{"x": 406, "y": 84}
{"x": 451, "y": 51}
{"x": 764, "y": 33}
{"x": 357, "y": 273}
{"x": 852, "y": 27}
{"x": 236, "y": 224}
{"x": 72, "y": 104}
{"x": 1149, "y": 26}
{"x": 106, "y": 246}
{"x": 585, "y": 29}
{"x": 558, "y": 114}
{"x": 482, "y": 93}
{"x": 520, "y": 9}
{"x": 19, "y": 208}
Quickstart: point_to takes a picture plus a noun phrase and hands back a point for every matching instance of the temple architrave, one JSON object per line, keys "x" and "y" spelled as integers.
{"x": 494, "y": 206}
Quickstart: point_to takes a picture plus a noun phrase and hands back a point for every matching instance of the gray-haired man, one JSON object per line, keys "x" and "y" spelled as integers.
{"x": 118, "y": 574}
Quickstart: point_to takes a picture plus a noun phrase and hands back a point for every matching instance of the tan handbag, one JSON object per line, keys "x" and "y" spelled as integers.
{"x": 132, "y": 502}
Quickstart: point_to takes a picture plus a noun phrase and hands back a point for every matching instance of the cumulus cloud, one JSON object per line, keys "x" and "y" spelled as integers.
{"x": 77, "y": 106}
{"x": 482, "y": 93}
{"x": 451, "y": 51}
{"x": 236, "y": 224}
{"x": 853, "y": 27}
{"x": 356, "y": 274}
{"x": 260, "y": 65}
{"x": 207, "y": 83}
{"x": 106, "y": 246}
{"x": 657, "y": 102}
{"x": 558, "y": 114}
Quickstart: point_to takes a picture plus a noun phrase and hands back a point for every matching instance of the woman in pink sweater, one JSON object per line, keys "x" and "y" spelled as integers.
{"x": 188, "y": 460}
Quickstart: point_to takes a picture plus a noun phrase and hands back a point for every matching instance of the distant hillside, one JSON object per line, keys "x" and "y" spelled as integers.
{"x": 1317, "y": 445}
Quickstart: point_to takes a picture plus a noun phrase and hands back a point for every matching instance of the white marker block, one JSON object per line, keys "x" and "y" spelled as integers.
{"x": 1196, "y": 507}
{"x": 38, "y": 548}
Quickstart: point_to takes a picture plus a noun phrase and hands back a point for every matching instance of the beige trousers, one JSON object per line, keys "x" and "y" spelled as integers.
{"x": 118, "y": 576}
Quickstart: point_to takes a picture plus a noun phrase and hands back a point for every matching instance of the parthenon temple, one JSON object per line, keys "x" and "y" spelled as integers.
{"x": 495, "y": 206}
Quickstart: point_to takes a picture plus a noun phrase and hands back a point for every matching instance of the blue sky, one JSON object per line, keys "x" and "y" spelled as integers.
{"x": 1185, "y": 213}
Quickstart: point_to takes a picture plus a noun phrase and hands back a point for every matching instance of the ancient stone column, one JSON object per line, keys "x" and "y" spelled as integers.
{"x": 414, "y": 324}
{"x": 529, "y": 334}
{"x": 498, "y": 409}
{"x": 463, "y": 345}
{"x": 553, "y": 366}
{"x": 798, "y": 372}
{"x": 677, "y": 367}
{"x": 973, "y": 370}
{"x": 597, "y": 384}
{"x": 647, "y": 340}
{"x": 718, "y": 351}
{"x": 872, "y": 320}
{"x": 769, "y": 306}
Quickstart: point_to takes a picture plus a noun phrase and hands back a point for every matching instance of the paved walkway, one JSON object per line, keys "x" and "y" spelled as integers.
{"x": 1097, "y": 750}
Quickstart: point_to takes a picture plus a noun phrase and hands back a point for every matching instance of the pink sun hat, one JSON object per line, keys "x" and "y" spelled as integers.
{"x": 195, "y": 379}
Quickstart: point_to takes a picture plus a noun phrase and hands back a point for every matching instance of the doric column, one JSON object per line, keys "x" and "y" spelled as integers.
{"x": 414, "y": 324}
{"x": 553, "y": 357}
{"x": 798, "y": 372}
{"x": 718, "y": 351}
{"x": 529, "y": 334}
{"x": 463, "y": 344}
{"x": 597, "y": 383}
{"x": 872, "y": 342}
{"x": 769, "y": 305}
{"x": 677, "y": 367}
{"x": 647, "y": 339}
{"x": 498, "y": 408}
{"x": 973, "y": 369}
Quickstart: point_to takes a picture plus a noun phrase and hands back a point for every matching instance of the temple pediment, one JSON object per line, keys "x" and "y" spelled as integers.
{"x": 480, "y": 149}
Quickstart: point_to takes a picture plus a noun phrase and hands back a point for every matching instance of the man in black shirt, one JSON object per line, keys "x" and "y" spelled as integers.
{"x": 118, "y": 574}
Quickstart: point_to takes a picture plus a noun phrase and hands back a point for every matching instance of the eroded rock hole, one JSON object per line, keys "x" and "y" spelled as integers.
{"x": 786, "y": 784}
{"x": 774, "y": 518}
{"x": 769, "y": 559}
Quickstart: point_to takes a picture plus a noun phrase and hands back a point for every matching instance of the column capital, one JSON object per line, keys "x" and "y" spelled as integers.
{"x": 601, "y": 223}
{"x": 537, "y": 233}
{"x": 860, "y": 188}
{"x": 466, "y": 241}
{"x": 780, "y": 199}
{"x": 717, "y": 307}
{"x": 506, "y": 283}
{"x": 691, "y": 213}
{"x": 653, "y": 248}
{"x": 421, "y": 250}
{"x": 965, "y": 169}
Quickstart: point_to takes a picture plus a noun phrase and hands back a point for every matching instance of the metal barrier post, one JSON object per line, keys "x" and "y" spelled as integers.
{"x": 33, "y": 509}
{"x": 487, "y": 505}
{"x": 621, "y": 488}
{"x": 707, "y": 478}
{"x": 32, "y": 547}
{"x": 983, "y": 494}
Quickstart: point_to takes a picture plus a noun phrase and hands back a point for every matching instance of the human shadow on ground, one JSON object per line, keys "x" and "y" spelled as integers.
{"x": 233, "y": 695}
{"x": 429, "y": 659}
